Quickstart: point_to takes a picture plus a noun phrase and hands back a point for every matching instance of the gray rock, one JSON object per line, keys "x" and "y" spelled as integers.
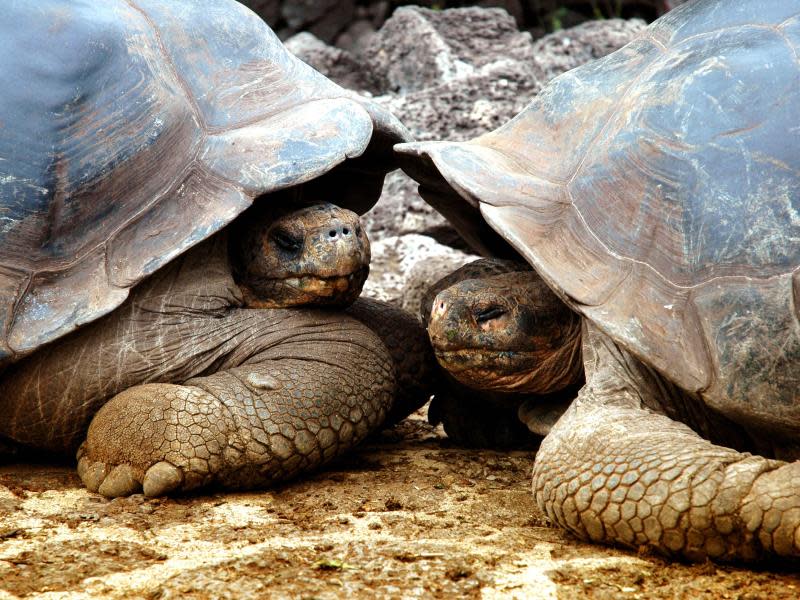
{"x": 463, "y": 108}
{"x": 324, "y": 18}
{"x": 403, "y": 266}
{"x": 400, "y": 211}
{"x": 379, "y": 11}
{"x": 335, "y": 63}
{"x": 569, "y": 48}
{"x": 418, "y": 48}
{"x": 357, "y": 36}
{"x": 480, "y": 36}
{"x": 513, "y": 7}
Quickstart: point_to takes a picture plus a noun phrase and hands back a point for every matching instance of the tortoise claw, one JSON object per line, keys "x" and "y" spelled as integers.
{"x": 92, "y": 474}
{"x": 121, "y": 481}
{"x": 161, "y": 479}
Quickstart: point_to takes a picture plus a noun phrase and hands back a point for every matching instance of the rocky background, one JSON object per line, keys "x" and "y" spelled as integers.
{"x": 348, "y": 23}
{"x": 446, "y": 74}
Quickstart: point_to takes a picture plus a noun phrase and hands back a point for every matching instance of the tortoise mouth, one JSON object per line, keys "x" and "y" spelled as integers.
{"x": 482, "y": 369}
{"x": 303, "y": 282}
{"x": 485, "y": 362}
{"x": 309, "y": 289}
{"x": 540, "y": 371}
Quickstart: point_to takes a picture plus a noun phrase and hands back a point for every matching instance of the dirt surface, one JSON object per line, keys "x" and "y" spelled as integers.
{"x": 408, "y": 515}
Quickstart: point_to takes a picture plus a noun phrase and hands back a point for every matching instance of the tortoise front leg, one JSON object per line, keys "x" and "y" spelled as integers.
{"x": 612, "y": 471}
{"x": 627, "y": 476}
{"x": 286, "y": 410}
{"x": 415, "y": 366}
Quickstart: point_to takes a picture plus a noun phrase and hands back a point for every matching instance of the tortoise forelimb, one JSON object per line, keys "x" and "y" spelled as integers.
{"x": 286, "y": 411}
{"x": 613, "y": 471}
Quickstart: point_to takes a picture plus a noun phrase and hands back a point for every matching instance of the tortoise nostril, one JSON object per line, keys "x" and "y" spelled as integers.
{"x": 345, "y": 231}
{"x": 332, "y": 233}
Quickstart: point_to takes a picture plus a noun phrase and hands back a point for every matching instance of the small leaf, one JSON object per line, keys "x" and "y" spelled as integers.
{"x": 333, "y": 564}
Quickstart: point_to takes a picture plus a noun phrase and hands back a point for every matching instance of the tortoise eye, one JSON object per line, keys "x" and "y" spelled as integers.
{"x": 286, "y": 241}
{"x": 487, "y": 314}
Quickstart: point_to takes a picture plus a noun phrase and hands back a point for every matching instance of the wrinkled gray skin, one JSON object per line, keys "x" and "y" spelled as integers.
{"x": 195, "y": 383}
{"x": 634, "y": 460}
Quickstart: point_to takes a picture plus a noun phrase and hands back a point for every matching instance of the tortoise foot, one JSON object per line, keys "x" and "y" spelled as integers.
{"x": 156, "y": 439}
{"x": 771, "y": 511}
{"x": 113, "y": 481}
{"x": 246, "y": 427}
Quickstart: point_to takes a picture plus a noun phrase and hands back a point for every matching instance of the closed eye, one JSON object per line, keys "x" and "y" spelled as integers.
{"x": 487, "y": 314}
{"x": 286, "y": 241}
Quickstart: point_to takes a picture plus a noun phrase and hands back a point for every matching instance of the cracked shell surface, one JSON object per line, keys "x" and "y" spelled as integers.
{"x": 141, "y": 128}
{"x": 671, "y": 134}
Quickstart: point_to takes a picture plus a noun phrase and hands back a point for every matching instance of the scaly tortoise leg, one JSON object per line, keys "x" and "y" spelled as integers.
{"x": 416, "y": 369}
{"x": 626, "y": 476}
{"x": 611, "y": 471}
{"x": 286, "y": 410}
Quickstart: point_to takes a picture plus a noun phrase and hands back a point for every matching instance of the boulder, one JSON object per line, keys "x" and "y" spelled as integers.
{"x": 403, "y": 266}
{"x": 357, "y": 35}
{"x": 324, "y": 18}
{"x": 418, "y": 48}
{"x": 335, "y": 63}
{"x": 569, "y": 48}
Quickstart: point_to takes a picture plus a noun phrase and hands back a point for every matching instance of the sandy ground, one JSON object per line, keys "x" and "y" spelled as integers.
{"x": 407, "y": 516}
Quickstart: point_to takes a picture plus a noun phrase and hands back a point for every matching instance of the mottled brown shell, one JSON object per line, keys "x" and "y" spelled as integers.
{"x": 658, "y": 191}
{"x": 132, "y": 130}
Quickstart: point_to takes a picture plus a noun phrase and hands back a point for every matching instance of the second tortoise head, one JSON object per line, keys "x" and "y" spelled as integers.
{"x": 506, "y": 332}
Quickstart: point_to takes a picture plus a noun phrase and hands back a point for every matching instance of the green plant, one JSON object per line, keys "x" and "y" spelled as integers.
{"x": 557, "y": 18}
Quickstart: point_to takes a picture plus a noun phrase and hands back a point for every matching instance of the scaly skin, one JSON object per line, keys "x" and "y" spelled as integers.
{"x": 613, "y": 471}
{"x": 415, "y": 366}
{"x": 321, "y": 382}
{"x": 625, "y": 463}
{"x": 189, "y": 385}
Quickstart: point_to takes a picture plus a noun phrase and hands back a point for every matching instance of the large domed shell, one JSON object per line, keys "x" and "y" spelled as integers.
{"x": 658, "y": 191}
{"x": 132, "y": 130}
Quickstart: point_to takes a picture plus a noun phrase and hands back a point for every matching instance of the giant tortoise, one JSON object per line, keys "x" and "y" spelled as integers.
{"x": 656, "y": 192}
{"x": 129, "y": 142}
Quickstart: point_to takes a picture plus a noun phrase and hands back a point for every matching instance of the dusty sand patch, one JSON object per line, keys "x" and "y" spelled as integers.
{"x": 408, "y": 515}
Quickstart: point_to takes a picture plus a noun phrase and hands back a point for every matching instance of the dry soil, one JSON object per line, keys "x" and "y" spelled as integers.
{"x": 408, "y": 515}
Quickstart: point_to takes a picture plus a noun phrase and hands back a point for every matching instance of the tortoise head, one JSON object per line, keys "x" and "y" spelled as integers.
{"x": 506, "y": 333}
{"x": 284, "y": 255}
